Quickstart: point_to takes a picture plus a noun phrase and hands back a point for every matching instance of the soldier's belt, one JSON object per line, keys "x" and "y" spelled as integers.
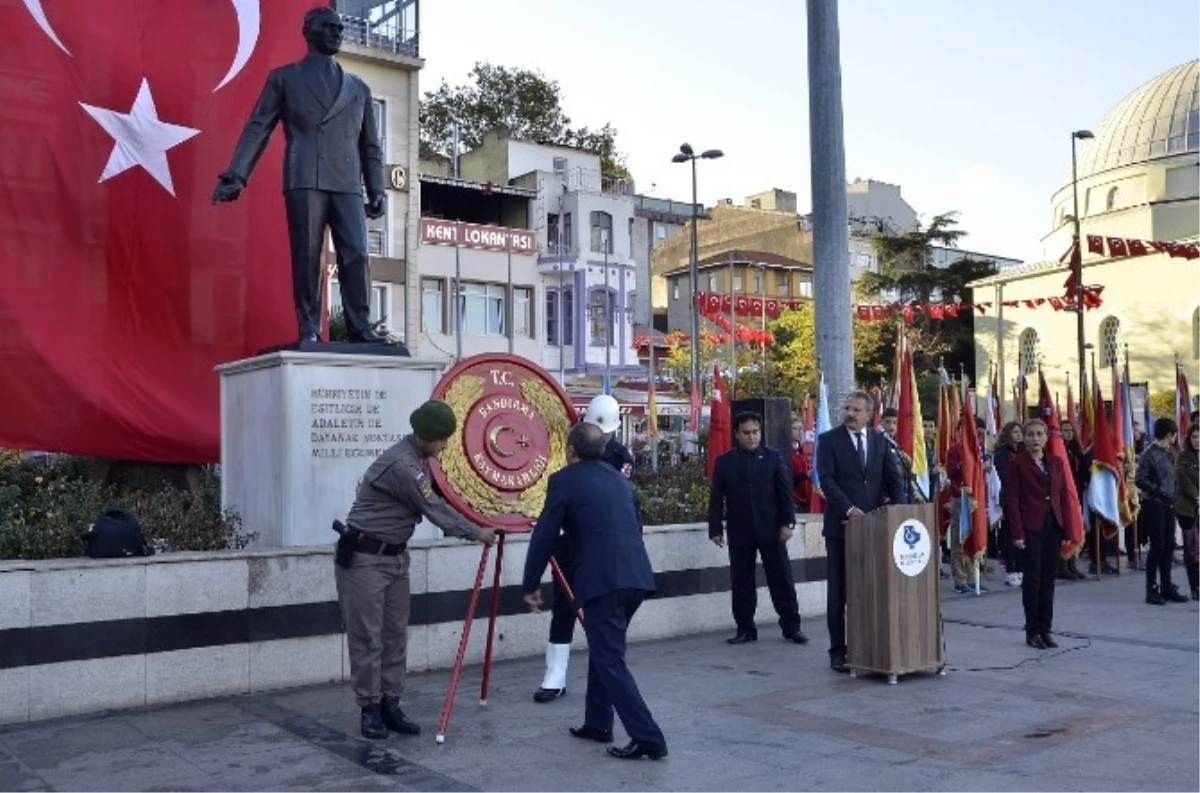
{"x": 379, "y": 548}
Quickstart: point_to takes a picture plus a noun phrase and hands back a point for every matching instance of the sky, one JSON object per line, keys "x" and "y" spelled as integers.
{"x": 968, "y": 105}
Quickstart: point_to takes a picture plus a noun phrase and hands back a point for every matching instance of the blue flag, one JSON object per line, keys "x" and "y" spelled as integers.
{"x": 822, "y": 425}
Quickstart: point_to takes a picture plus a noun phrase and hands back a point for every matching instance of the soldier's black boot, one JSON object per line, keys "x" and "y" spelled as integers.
{"x": 371, "y": 723}
{"x": 394, "y": 718}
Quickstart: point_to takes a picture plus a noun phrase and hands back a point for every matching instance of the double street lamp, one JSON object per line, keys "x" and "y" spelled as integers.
{"x": 1077, "y": 255}
{"x": 687, "y": 154}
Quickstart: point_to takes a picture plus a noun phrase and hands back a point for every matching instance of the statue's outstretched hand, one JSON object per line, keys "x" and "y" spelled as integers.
{"x": 228, "y": 188}
{"x": 376, "y": 206}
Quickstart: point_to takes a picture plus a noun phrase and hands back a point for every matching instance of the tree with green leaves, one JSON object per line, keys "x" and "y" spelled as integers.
{"x": 525, "y": 102}
{"x": 907, "y": 274}
{"x": 794, "y": 352}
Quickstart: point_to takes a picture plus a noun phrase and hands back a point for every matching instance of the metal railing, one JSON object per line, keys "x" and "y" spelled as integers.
{"x": 388, "y": 36}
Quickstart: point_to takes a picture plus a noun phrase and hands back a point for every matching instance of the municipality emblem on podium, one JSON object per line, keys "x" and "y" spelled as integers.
{"x": 513, "y": 420}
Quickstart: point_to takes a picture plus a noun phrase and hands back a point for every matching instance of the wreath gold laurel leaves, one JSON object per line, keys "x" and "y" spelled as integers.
{"x": 461, "y": 397}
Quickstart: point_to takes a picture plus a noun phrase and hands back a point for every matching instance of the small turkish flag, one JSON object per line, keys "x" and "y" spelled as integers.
{"x": 864, "y": 313}
{"x": 1056, "y": 303}
{"x": 1117, "y": 247}
{"x": 1189, "y": 250}
{"x": 1095, "y": 244}
{"x": 1137, "y": 248}
{"x": 878, "y": 312}
{"x": 936, "y": 311}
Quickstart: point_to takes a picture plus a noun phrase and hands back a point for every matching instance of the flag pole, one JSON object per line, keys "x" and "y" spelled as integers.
{"x": 652, "y": 409}
{"x": 1130, "y": 449}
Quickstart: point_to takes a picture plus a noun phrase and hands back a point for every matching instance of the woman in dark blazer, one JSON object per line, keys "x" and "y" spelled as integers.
{"x": 1036, "y": 503}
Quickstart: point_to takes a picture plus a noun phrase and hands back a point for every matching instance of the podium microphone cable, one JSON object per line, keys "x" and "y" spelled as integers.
{"x": 1041, "y": 656}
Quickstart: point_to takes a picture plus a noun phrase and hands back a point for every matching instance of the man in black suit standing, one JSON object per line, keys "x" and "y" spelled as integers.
{"x": 857, "y": 475}
{"x": 751, "y": 492}
{"x": 332, "y": 149}
{"x": 594, "y": 505}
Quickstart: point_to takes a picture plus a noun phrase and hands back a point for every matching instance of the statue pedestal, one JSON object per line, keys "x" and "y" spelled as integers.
{"x": 299, "y": 429}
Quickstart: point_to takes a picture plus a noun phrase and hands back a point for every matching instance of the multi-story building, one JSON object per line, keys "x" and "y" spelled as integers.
{"x": 751, "y": 274}
{"x": 382, "y": 47}
{"x": 584, "y": 224}
{"x": 655, "y": 220}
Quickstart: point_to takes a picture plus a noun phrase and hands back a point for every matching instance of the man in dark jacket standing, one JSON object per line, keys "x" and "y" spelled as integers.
{"x": 751, "y": 492}
{"x": 593, "y": 504}
{"x": 858, "y": 475}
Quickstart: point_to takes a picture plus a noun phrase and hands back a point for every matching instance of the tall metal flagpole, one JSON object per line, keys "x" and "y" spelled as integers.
{"x": 831, "y": 242}
{"x": 608, "y": 335}
{"x": 733, "y": 368}
{"x": 512, "y": 308}
{"x": 457, "y": 306}
{"x": 653, "y": 423}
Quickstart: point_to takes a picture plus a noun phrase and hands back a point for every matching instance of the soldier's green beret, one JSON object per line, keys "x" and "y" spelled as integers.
{"x": 433, "y": 421}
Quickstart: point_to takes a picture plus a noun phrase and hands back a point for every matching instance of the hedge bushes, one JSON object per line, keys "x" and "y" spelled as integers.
{"x": 675, "y": 494}
{"x": 45, "y": 507}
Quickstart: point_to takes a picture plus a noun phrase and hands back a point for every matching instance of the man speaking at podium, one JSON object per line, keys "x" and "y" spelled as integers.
{"x": 857, "y": 475}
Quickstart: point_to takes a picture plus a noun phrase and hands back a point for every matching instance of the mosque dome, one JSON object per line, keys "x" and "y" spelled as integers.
{"x": 1160, "y": 118}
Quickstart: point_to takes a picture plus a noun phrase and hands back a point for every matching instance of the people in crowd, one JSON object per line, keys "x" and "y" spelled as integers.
{"x": 1010, "y": 443}
{"x": 1156, "y": 521}
{"x": 1037, "y": 500}
{"x": 962, "y": 566}
{"x": 801, "y": 465}
{"x": 1187, "y": 491}
{"x": 1080, "y": 464}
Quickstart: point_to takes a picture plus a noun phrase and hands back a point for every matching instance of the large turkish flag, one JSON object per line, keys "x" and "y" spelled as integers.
{"x": 123, "y": 286}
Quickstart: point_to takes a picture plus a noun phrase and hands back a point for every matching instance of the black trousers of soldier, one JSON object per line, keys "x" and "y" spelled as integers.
{"x": 777, "y": 569}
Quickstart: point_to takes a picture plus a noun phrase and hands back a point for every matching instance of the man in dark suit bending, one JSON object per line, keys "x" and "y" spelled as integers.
{"x": 857, "y": 475}
{"x": 594, "y": 505}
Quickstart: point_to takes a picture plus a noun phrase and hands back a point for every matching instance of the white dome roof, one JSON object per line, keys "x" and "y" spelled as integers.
{"x": 1161, "y": 118}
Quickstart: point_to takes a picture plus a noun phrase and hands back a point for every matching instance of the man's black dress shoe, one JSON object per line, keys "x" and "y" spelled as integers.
{"x": 1035, "y": 641}
{"x": 636, "y": 751}
{"x": 548, "y": 694}
{"x": 1048, "y": 642}
{"x": 591, "y": 734}
{"x": 371, "y": 725}
{"x": 743, "y": 637}
{"x": 798, "y": 637}
{"x": 367, "y": 337}
{"x": 838, "y": 664}
{"x": 394, "y": 718}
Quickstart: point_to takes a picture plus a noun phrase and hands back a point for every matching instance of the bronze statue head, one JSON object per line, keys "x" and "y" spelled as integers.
{"x": 323, "y": 30}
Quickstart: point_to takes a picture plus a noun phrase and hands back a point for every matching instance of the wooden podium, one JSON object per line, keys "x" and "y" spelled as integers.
{"x": 893, "y": 603}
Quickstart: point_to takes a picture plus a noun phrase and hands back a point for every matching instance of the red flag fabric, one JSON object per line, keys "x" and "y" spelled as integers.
{"x": 1136, "y": 247}
{"x": 1183, "y": 406}
{"x": 1095, "y": 244}
{"x": 904, "y": 428}
{"x": 123, "y": 287}
{"x": 720, "y": 431}
{"x": 1117, "y": 247}
{"x": 1072, "y": 415}
{"x": 1056, "y": 447}
{"x": 974, "y": 487}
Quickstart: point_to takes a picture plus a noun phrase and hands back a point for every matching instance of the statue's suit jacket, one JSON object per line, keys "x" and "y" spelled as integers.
{"x": 332, "y": 142}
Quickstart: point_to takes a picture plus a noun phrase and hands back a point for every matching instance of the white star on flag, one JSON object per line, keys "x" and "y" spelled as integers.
{"x": 140, "y": 138}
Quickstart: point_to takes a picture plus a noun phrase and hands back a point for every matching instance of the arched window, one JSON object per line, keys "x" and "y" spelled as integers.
{"x": 1029, "y": 351}
{"x": 602, "y": 306}
{"x": 1110, "y": 341}
{"x": 1110, "y": 200}
{"x": 1196, "y": 333}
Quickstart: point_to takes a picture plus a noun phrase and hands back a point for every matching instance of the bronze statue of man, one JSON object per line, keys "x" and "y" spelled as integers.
{"x": 332, "y": 150}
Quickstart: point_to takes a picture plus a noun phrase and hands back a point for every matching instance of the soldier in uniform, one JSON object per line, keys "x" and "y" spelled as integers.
{"x": 373, "y": 564}
{"x": 604, "y": 412}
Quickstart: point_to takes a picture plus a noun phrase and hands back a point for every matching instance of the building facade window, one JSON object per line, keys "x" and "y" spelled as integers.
{"x": 675, "y": 291}
{"x": 602, "y": 305}
{"x": 783, "y": 287}
{"x": 554, "y": 243}
{"x": 559, "y": 327}
{"x": 1029, "y": 350}
{"x": 758, "y": 282}
{"x": 806, "y": 288}
{"x": 380, "y": 299}
{"x": 1110, "y": 341}
{"x": 432, "y": 305}
{"x": 601, "y": 232}
{"x": 523, "y": 311}
{"x": 737, "y": 283}
{"x": 1111, "y": 198}
{"x": 480, "y": 309}
{"x": 660, "y": 233}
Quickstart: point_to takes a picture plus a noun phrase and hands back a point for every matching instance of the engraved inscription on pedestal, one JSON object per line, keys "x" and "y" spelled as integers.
{"x": 350, "y": 423}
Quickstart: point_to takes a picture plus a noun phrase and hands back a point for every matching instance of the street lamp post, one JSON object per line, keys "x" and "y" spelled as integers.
{"x": 687, "y": 154}
{"x": 1077, "y": 255}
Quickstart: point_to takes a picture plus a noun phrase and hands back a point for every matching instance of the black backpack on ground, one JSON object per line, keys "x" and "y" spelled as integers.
{"x": 114, "y": 535}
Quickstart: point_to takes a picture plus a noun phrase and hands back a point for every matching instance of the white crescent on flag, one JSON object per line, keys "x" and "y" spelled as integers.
{"x": 249, "y": 16}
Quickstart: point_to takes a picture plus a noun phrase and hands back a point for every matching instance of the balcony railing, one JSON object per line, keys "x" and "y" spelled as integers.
{"x": 387, "y": 35}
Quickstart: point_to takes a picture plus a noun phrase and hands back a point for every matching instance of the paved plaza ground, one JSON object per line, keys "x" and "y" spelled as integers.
{"x": 1114, "y": 708}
